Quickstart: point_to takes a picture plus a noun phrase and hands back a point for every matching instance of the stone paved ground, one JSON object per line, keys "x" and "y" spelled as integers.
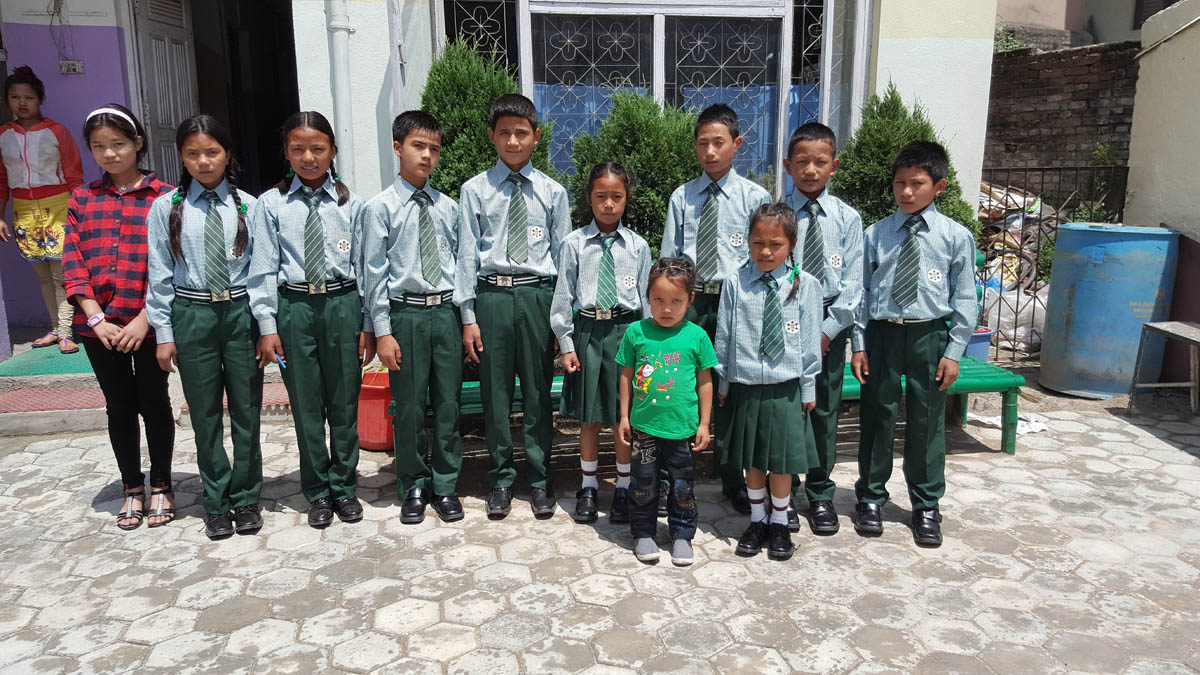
{"x": 1079, "y": 554}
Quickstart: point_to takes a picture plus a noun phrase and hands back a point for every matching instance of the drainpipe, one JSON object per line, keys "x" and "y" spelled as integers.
{"x": 337, "y": 20}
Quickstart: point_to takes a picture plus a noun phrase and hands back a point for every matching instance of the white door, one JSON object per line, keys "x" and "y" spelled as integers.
{"x": 167, "y": 59}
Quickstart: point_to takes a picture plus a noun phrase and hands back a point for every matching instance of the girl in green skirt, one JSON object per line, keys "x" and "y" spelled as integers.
{"x": 768, "y": 343}
{"x": 602, "y": 276}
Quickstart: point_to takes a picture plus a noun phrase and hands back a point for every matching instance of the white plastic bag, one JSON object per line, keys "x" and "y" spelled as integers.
{"x": 1016, "y": 318}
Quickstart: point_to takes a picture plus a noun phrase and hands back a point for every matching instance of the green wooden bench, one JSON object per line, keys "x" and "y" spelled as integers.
{"x": 974, "y": 377}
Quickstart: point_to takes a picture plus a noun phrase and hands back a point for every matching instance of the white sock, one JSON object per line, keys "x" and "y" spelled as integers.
{"x": 758, "y": 509}
{"x": 779, "y": 510}
{"x": 589, "y": 473}
{"x": 623, "y": 475}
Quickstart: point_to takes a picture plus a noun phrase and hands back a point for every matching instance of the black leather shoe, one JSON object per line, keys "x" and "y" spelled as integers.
{"x": 499, "y": 503}
{"x": 664, "y": 493}
{"x": 793, "y": 523}
{"x": 752, "y": 540}
{"x": 926, "y": 527}
{"x": 348, "y": 509}
{"x": 738, "y": 499}
{"x": 585, "y": 506}
{"x": 543, "y": 504}
{"x": 779, "y": 546}
{"x": 448, "y": 508}
{"x": 248, "y": 518}
{"x": 412, "y": 511}
{"x": 619, "y": 512}
{"x": 320, "y": 512}
{"x": 868, "y": 518}
{"x": 823, "y": 518}
{"x": 218, "y": 525}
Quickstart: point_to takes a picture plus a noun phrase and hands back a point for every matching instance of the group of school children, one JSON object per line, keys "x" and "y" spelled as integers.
{"x": 752, "y": 301}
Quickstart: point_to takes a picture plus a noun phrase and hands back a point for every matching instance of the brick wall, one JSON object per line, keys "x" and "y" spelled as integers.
{"x": 1042, "y": 39}
{"x": 1051, "y": 109}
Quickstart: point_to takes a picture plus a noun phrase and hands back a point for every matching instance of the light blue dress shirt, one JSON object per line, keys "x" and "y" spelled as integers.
{"x": 392, "y": 247}
{"x": 579, "y": 270}
{"x": 946, "y": 282}
{"x": 842, "y": 234}
{"x": 735, "y": 202}
{"x": 277, "y": 224}
{"x": 739, "y": 331}
{"x": 483, "y": 233}
{"x": 165, "y": 273}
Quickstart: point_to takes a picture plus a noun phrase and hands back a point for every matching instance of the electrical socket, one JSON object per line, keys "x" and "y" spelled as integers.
{"x": 71, "y": 67}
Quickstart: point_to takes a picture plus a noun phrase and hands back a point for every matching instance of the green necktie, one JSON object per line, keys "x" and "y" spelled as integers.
{"x": 606, "y": 291}
{"x": 771, "y": 344}
{"x": 814, "y": 243}
{"x": 706, "y": 236}
{"x": 431, "y": 260}
{"x": 908, "y": 267}
{"x": 314, "y": 240}
{"x": 518, "y": 221}
{"x": 216, "y": 260}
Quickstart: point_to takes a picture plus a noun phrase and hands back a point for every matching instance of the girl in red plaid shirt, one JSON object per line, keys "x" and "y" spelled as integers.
{"x": 104, "y": 276}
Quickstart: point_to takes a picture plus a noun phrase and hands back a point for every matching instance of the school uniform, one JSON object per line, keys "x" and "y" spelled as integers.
{"x": 302, "y": 287}
{"x": 508, "y": 251}
{"x": 718, "y": 245}
{"x": 601, "y": 284}
{"x": 200, "y": 304}
{"x": 906, "y": 326}
{"x": 832, "y": 252}
{"x": 768, "y": 348}
{"x": 410, "y": 267}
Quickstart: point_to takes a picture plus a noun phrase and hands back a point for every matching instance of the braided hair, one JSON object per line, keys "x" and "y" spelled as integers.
{"x": 208, "y": 125}
{"x": 781, "y": 215}
{"x": 314, "y": 120}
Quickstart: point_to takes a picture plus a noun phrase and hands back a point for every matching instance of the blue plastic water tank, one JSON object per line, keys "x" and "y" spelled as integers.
{"x": 1106, "y": 282}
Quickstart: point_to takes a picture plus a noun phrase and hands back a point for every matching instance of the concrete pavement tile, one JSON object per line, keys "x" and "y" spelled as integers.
{"x": 261, "y": 638}
{"x": 367, "y": 652}
{"x": 526, "y": 550}
{"x": 408, "y": 565}
{"x": 51, "y": 592}
{"x": 316, "y": 555}
{"x": 557, "y": 656}
{"x": 121, "y": 657}
{"x": 946, "y": 663}
{"x": 121, "y": 582}
{"x": 86, "y": 638}
{"x": 644, "y": 613}
{"x": 886, "y": 646}
{"x": 406, "y": 616}
{"x": 1087, "y": 652}
{"x": 378, "y": 547}
{"x": 333, "y": 627}
{"x": 442, "y": 642}
{"x": 626, "y": 648}
{"x": 254, "y": 563}
{"x": 139, "y": 603}
{"x": 488, "y": 660}
{"x": 601, "y": 589}
{"x": 1010, "y": 625}
{"x": 409, "y": 666}
{"x": 305, "y": 602}
{"x": 513, "y": 632}
{"x": 581, "y": 622}
{"x": 816, "y": 654}
{"x": 233, "y": 614}
{"x": 473, "y": 608}
{"x": 186, "y": 650}
{"x": 279, "y": 583}
{"x": 502, "y": 576}
{"x": 70, "y": 612}
{"x": 951, "y": 635}
{"x": 1156, "y": 667}
{"x": 888, "y": 610}
{"x": 695, "y": 637}
{"x": 345, "y": 573}
{"x": 440, "y": 584}
{"x": 296, "y": 658}
{"x": 46, "y": 665}
{"x": 467, "y": 557}
{"x": 373, "y": 593}
{"x": 740, "y": 659}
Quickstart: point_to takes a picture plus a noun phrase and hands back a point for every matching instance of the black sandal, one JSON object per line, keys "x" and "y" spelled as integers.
{"x": 131, "y": 513}
{"x": 160, "y": 511}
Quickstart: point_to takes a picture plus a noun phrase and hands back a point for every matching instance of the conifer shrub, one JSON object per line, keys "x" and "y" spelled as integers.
{"x": 865, "y": 177}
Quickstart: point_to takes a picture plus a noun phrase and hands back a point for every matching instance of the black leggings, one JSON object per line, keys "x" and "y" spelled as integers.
{"x": 133, "y": 384}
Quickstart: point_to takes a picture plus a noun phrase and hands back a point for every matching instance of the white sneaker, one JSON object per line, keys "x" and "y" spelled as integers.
{"x": 645, "y": 549}
{"x": 681, "y": 552}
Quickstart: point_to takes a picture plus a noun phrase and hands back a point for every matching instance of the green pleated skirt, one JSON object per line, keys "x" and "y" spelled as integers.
{"x": 592, "y": 394}
{"x": 768, "y": 429}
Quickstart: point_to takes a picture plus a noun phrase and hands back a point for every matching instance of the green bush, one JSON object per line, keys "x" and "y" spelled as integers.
{"x": 655, "y": 144}
{"x": 461, "y": 87}
{"x": 865, "y": 177}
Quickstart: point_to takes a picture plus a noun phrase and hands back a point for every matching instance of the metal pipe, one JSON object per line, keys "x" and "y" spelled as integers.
{"x": 337, "y": 21}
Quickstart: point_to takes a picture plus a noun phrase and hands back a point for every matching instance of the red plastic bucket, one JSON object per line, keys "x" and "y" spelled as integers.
{"x": 374, "y": 425}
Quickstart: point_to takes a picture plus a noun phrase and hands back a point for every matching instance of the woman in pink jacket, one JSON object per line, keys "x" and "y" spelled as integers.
{"x": 41, "y": 166}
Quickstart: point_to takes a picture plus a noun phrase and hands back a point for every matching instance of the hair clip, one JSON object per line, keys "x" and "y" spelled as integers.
{"x": 290, "y": 173}
{"x": 177, "y": 198}
{"x": 242, "y": 208}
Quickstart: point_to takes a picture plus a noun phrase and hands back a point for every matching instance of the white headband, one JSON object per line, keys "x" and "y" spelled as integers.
{"x": 112, "y": 111}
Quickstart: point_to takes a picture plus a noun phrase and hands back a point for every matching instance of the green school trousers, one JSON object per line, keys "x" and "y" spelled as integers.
{"x": 323, "y": 378}
{"x": 515, "y": 326}
{"x": 703, "y": 313}
{"x": 912, "y": 350}
{"x": 431, "y": 359}
{"x": 818, "y": 485}
{"x": 216, "y": 345}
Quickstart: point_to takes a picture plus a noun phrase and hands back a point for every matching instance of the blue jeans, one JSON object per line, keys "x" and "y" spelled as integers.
{"x": 649, "y": 453}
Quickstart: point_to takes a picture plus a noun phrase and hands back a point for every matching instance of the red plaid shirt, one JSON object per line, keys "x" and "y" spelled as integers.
{"x": 104, "y": 255}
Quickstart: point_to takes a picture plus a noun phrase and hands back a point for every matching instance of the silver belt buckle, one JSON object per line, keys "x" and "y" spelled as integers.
{"x": 712, "y": 288}
{"x": 504, "y": 280}
{"x": 223, "y": 296}
{"x": 897, "y": 321}
{"x": 314, "y": 289}
{"x": 604, "y": 314}
{"x": 433, "y": 300}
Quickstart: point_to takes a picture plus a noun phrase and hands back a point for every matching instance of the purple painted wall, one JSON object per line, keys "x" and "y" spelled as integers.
{"x": 68, "y": 99}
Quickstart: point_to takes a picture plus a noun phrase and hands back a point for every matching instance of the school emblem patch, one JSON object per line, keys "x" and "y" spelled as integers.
{"x": 792, "y": 326}
{"x": 934, "y": 275}
{"x": 736, "y": 239}
{"x": 233, "y": 253}
{"x": 630, "y": 281}
{"x": 536, "y": 233}
{"x": 344, "y": 246}
{"x": 444, "y": 248}
{"x": 835, "y": 261}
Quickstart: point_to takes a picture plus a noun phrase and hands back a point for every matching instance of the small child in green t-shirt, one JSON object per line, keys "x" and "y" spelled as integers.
{"x": 665, "y": 380}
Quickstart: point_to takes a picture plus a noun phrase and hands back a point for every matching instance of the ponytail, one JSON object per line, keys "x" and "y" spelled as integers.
{"x": 175, "y": 221}
{"x": 795, "y": 276}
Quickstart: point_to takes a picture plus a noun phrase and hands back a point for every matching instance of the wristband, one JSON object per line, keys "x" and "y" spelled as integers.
{"x": 95, "y": 319}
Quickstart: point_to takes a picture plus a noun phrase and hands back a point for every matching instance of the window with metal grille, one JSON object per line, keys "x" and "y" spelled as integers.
{"x": 490, "y": 24}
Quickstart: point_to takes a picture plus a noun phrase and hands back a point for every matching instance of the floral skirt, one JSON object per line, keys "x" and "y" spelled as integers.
{"x": 38, "y": 226}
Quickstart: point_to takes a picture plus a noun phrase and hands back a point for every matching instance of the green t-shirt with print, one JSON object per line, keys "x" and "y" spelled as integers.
{"x": 665, "y": 362}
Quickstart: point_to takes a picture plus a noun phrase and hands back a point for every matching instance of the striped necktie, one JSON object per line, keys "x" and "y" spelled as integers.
{"x": 518, "y": 221}
{"x": 431, "y": 260}
{"x": 770, "y": 347}
{"x": 814, "y": 243}
{"x": 908, "y": 267}
{"x": 706, "y": 236}
{"x": 216, "y": 260}
{"x": 606, "y": 279}
{"x": 314, "y": 240}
